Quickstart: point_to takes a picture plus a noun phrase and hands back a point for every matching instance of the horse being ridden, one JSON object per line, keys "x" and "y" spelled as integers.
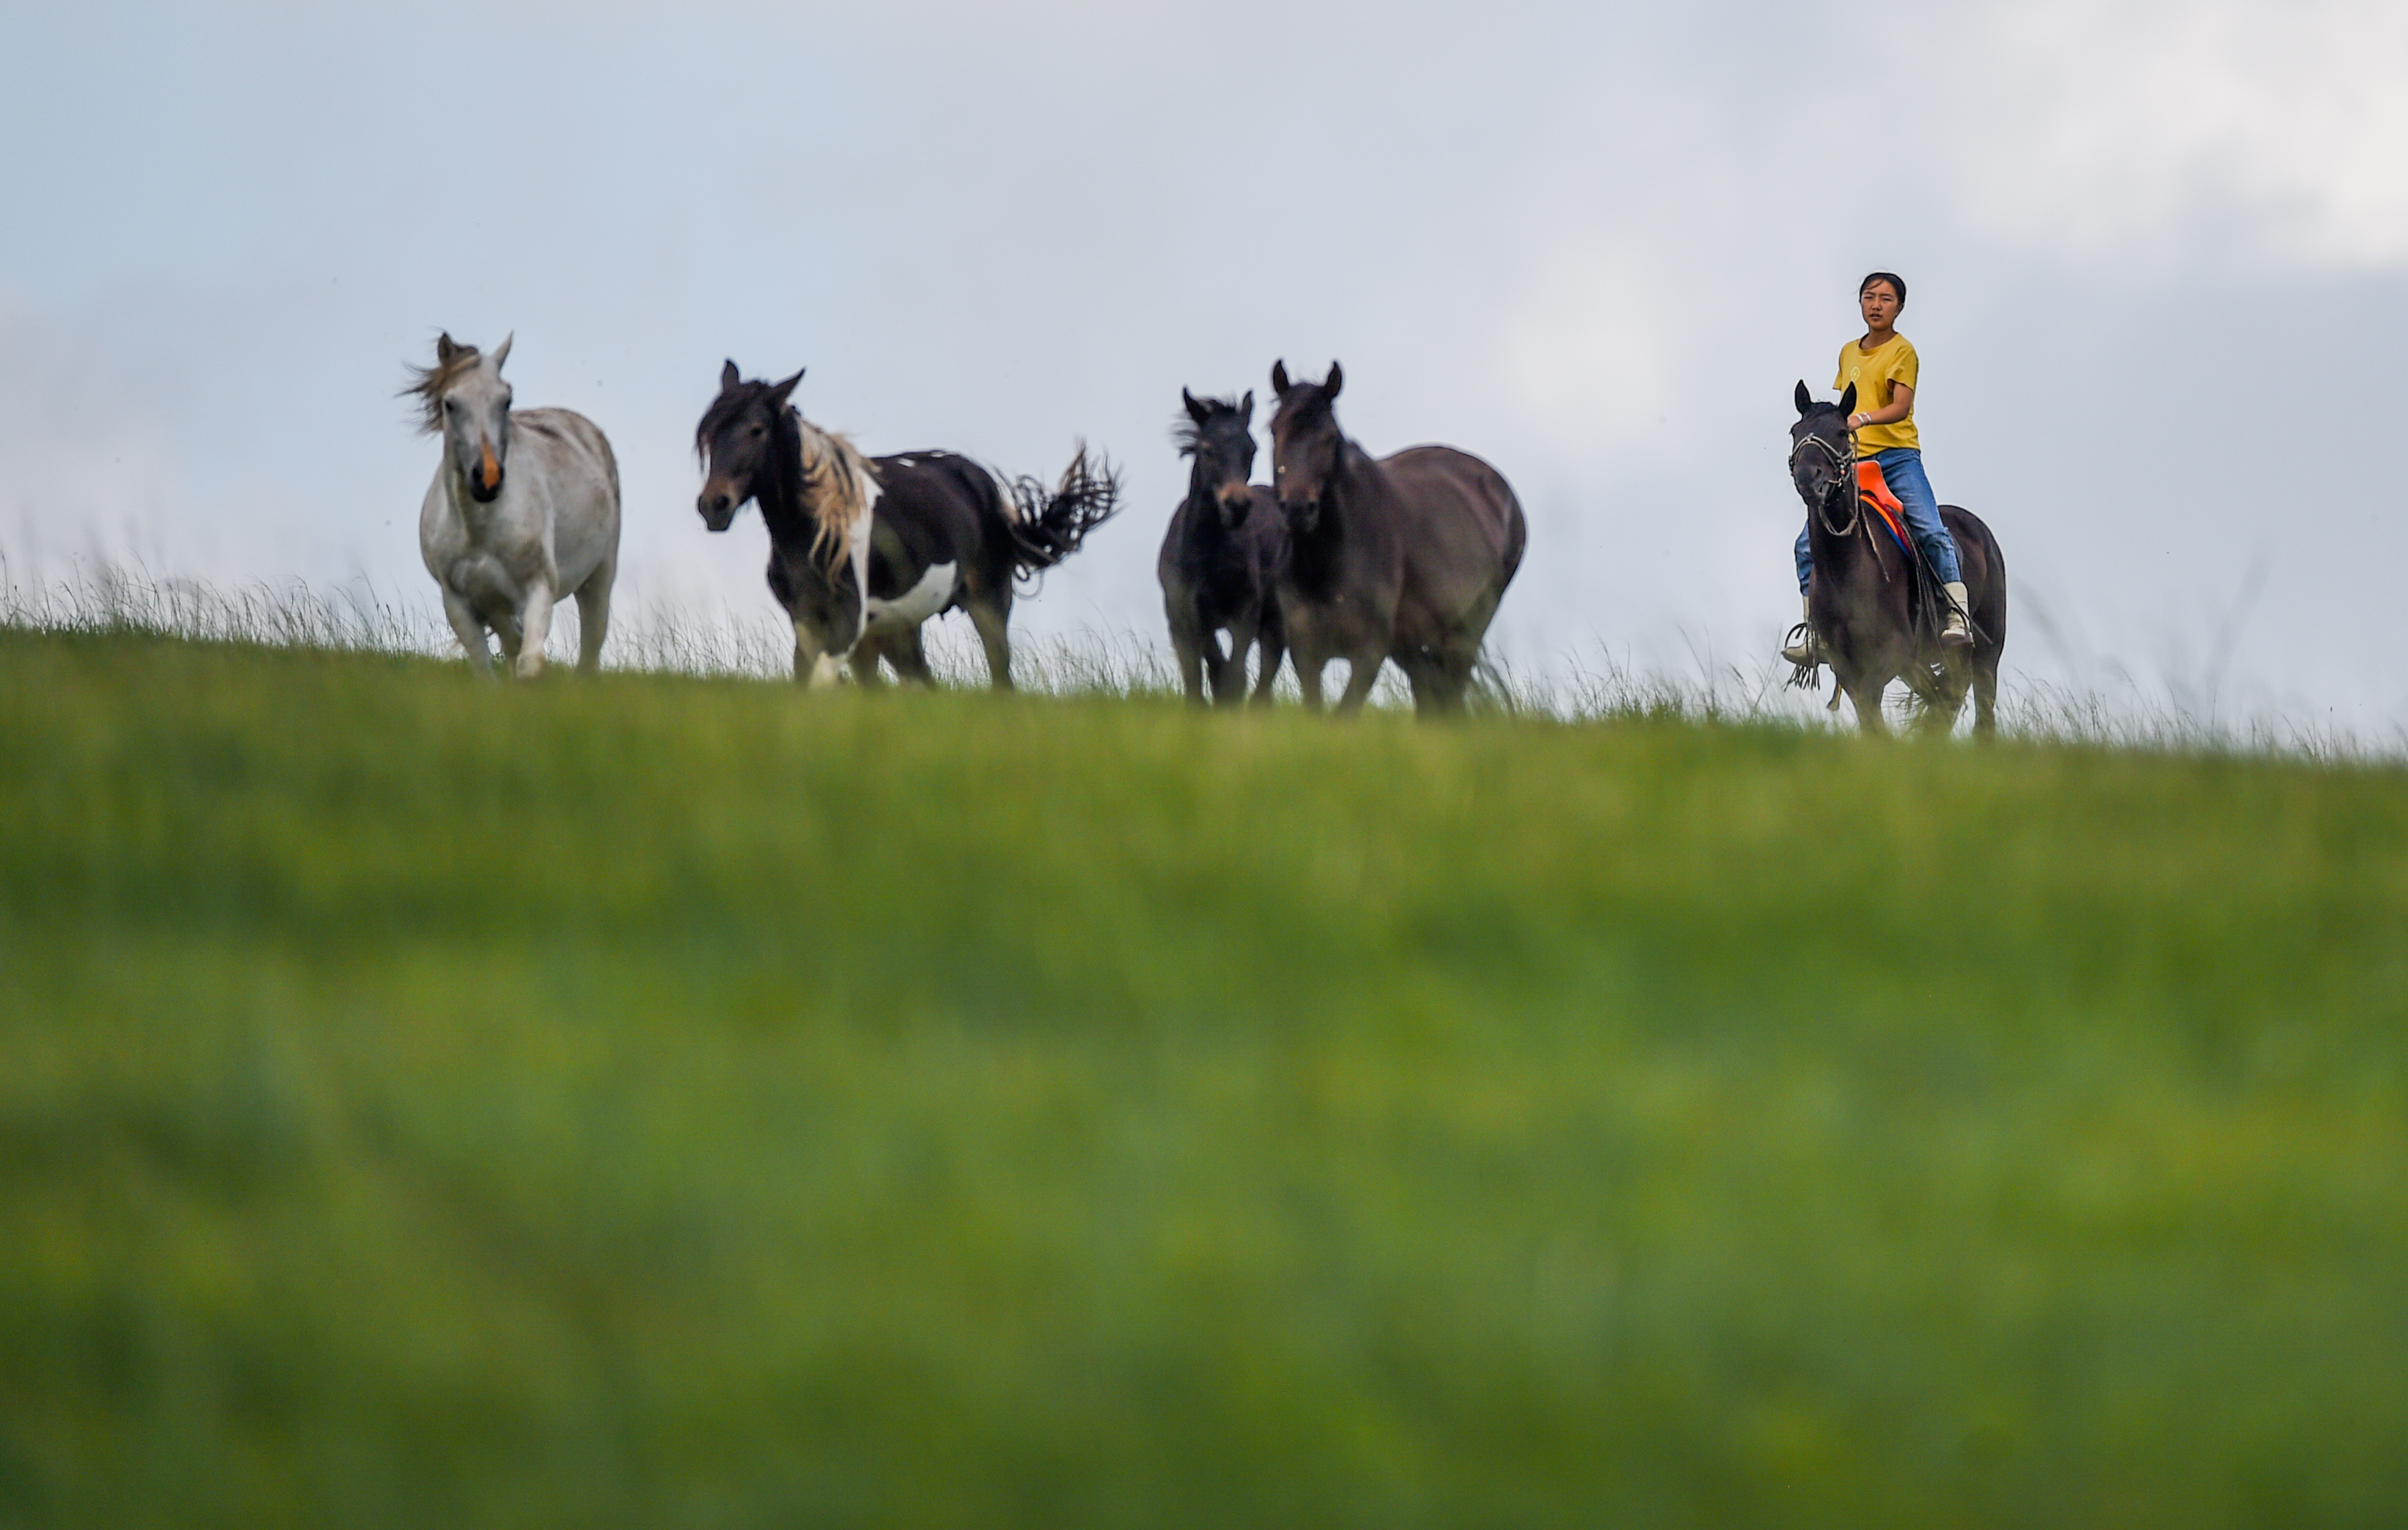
{"x": 524, "y": 509}
{"x": 1874, "y": 611}
{"x": 1221, "y": 556}
{"x": 1403, "y": 557}
{"x": 864, "y": 550}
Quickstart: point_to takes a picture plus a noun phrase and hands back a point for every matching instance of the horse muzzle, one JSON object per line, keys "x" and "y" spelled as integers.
{"x": 718, "y": 505}
{"x": 485, "y": 479}
{"x": 1235, "y": 505}
{"x": 1302, "y": 514}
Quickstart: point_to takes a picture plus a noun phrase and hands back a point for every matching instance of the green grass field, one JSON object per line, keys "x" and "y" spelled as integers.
{"x": 670, "y": 1102}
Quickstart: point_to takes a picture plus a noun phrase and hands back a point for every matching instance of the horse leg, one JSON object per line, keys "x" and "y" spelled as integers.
{"x": 910, "y": 659}
{"x": 1422, "y": 674}
{"x": 534, "y": 628}
{"x": 1959, "y": 681}
{"x": 593, "y": 616}
{"x": 815, "y": 667}
{"x": 1943, "y": 697}
{"x": 1362, "y": 672}
{"x": 863, "y": 662}
{"x": 1185, "y": 643}
{"x": 1273, "y": 649}
{"x": 1866, "y": 692}
{"x": 991, "y": 618}
{"x": 1308, "y": 648}
{"x": 1986, "y": 697}
{"x": 1230, "y": 671}
{"x": 1453, "y": 666}
{"x": 1191, "y": 668}
{"x": 470, "y": 631}
{"x": 1309, "y": 666}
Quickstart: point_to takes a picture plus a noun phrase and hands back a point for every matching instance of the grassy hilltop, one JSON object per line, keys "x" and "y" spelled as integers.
{"x": 676, "y": 1103}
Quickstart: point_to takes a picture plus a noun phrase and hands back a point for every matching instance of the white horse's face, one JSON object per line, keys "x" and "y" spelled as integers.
{"x": 477, "y": 425}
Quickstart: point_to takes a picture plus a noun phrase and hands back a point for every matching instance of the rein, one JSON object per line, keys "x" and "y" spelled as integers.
{"x": 1843, "y": 460}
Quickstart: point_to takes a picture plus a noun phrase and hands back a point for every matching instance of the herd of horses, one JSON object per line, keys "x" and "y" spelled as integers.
{"x": 1399, "y": 559}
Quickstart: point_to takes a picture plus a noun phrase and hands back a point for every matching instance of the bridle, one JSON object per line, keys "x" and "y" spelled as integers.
{"x": 1842, "y": 458}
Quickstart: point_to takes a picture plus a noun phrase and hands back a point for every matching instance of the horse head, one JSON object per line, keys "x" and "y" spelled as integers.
{"x": 466, "y": 401}
{"x": 1821, "y": 458}
{"x": 1306, "y": 446}
{"x": 736, "y": 442}
{"x": 1220, "y": 436}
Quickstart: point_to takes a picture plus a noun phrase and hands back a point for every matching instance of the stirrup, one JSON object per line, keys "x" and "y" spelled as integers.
{"x": 1804, "y": 647}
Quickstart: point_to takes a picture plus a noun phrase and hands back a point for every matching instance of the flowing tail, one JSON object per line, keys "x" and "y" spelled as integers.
{"x": 1047, "y": 526}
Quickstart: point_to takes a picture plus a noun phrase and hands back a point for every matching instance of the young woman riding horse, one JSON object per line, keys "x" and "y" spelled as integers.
{"x": 1882, "y": 368}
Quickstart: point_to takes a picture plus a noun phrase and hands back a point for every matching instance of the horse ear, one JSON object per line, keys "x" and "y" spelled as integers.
{"x": 445, "y": 347}
{"x": 1848, "y": 400}
{"x": 1196, "y": 410}
{"x": 1246, "y": 407}
{"x": 729, "y": 377}
{"x": 502, "y": 351}
{"x": 1805, "y": 399}
{"x": 1279, "y": 378}
{"x": 1335, "y": 381}
{"x": 780, "y": 394}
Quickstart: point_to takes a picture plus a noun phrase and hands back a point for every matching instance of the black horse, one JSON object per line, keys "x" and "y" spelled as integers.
{"x": 1401, "y": 558}
{"x": 1872, "y": 607}
{"x": 1221, "y": 556}
{"x": 864, "y": 550}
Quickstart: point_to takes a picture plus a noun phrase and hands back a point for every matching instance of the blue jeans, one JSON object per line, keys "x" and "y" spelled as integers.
{"x": 1902, "y": 468}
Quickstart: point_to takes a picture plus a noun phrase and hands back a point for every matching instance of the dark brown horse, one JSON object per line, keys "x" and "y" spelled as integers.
{"x": 1403, "y": 557}
{"x": 1873, "y": 609}
{"x": 1221, "y": 556}
{"x": 864, "y": 550}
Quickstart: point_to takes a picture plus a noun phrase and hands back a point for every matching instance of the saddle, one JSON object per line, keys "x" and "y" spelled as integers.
{"x": 1873, "y": 491}
{"x": 1923, "y": 597}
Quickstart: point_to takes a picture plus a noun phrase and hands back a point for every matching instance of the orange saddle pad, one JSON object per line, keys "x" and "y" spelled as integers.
{"x": 1873, "y": 490}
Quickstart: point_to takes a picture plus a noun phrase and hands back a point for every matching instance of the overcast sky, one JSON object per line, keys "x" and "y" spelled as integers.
{"x": 2158, "y": 254}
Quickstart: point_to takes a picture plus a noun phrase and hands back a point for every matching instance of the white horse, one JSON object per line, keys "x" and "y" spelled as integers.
{"x": 524, "y": 510}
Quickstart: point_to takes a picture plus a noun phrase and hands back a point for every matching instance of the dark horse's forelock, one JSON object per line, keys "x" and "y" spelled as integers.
{"x": 428, "y": 385}
{"x": 1301, "y": 402}
{"x": 723, "y": 410}
{"x": 1188, "y": 431}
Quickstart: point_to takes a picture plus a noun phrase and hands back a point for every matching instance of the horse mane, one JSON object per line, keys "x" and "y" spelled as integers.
{"x": 1187, "y": 433}
{"x": 838, "y": 490}
{"x": 428, "y": 385}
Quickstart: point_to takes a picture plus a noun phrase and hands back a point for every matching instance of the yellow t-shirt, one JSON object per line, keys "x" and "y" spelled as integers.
{"x": 1874, "y": 373}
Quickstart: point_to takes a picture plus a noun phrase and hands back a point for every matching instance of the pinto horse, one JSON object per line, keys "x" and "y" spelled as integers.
{"x": 1872, "y": 607}
{"x": 1401, "y": 557}
{"x": 1221, "y": 556}
{"x": 864, "y": 550}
